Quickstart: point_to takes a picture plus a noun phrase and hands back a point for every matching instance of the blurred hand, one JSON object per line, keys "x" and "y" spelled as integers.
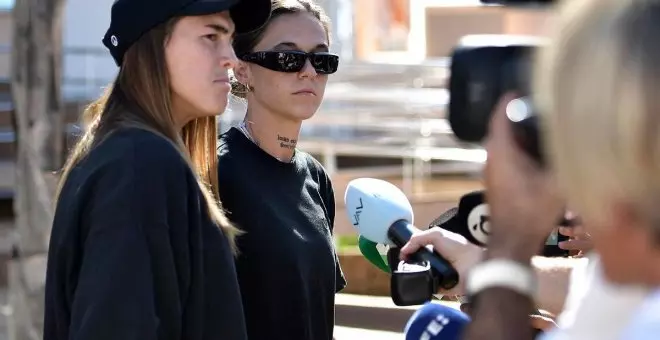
{"x": 580, "y": 240}
{"x": 542, "y": 322}
{"x": 524, "y": 203}
{"x": 462, "y": 254}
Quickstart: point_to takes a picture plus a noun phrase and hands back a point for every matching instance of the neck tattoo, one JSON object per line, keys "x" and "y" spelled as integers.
{"x": 245, "y": 129}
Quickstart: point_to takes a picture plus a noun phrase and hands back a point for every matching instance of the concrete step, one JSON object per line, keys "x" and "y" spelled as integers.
{"x": 351, "y": 333}
{"x": 374, "y": 312}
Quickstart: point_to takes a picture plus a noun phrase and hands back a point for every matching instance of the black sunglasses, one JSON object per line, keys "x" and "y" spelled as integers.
{"x": 294, "y": 61}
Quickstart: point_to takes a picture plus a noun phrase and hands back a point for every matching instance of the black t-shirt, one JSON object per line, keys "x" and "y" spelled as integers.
{"x": 133, "y": 253}
{"x": 287, "y": 268}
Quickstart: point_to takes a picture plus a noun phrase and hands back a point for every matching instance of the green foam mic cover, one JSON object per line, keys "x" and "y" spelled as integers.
{"x": 370, "y": 251}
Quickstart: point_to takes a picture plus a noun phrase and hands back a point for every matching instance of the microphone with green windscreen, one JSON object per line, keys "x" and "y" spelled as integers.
{"x": 370, "y": 251}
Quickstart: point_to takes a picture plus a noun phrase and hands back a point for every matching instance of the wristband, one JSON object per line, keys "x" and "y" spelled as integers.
{"x": 501, "y": 273}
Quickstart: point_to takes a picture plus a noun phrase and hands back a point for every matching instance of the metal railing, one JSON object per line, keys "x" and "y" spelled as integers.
{"x": 80, "y": 80}
{"x": 370, "y": 110}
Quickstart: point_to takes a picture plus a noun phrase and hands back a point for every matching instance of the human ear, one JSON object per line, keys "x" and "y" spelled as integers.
{"x": 242, "y": 73}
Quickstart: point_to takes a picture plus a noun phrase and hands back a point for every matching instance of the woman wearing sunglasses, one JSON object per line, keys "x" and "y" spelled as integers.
{"x": 279, "y": 196}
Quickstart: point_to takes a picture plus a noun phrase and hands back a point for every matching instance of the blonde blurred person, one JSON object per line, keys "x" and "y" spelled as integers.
{"x": 597, "y": 92}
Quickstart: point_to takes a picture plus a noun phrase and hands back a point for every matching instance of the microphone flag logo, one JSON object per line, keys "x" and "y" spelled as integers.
{"x": 478, "y": 223}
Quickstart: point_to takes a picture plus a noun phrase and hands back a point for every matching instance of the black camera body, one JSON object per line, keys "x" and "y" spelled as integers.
{"x": 483, "y": 69}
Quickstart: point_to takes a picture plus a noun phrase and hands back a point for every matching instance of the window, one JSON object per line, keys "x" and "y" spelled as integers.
{"x": 6, "y": 4}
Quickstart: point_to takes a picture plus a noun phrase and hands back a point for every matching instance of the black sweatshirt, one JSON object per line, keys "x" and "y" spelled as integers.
{"x": 133, "y": 253}
{"x": 287, "y": 267}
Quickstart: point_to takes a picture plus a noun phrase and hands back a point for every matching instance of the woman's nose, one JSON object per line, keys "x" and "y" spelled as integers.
{"x": 228, "y": 58}
{"x": 308, "y": 70}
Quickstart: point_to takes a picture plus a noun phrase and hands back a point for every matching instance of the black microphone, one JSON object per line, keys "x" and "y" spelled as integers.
{"x": 471, "y": 220}
{"x": 400, "y": 233}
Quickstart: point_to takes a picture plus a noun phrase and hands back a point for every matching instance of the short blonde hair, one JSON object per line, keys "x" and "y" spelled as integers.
{"x": 597, "y": 86}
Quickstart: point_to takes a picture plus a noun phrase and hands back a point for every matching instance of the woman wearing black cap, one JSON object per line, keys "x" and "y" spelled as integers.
{"x": 139, "y": 247}
{"x": 280, "y": 196}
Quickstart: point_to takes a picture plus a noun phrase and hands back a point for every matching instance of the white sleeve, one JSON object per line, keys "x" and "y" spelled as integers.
{"x": 596, "y": 308}
{"x": 645, "y": 323}
{"x": 643, "y": 332}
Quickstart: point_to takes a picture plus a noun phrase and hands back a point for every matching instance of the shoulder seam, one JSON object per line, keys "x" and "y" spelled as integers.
{"x": 318, "y": 167}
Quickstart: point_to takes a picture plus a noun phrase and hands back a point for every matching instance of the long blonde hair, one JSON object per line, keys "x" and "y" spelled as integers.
{"x": 140, "y": 97}
{"x": 597, "y": 89}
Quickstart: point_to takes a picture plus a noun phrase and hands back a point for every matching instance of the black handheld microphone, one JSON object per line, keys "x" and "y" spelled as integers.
{"x": 471, "y": 220}
{"x": 400, "y": 233}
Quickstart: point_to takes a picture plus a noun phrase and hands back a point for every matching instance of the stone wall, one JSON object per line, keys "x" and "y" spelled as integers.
{"x": 362, "y": 277}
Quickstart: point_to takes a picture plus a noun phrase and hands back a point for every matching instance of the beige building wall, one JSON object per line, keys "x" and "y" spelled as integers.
{"x": 6, "y": 29}
{"x": 435, "y": 27}
{"x": 446, "y": 25}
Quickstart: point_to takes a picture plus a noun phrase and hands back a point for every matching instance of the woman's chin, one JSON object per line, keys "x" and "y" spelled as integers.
{"x": 216, "y": 109}
{"x": 304, "y": 112}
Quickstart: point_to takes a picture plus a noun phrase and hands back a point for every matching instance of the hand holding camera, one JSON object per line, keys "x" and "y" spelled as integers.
{"x": 491, "y": 103}
{"x": 524, "y": 201}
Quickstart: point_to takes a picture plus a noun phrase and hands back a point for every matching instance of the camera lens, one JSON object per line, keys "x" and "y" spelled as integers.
{"x": 519, "y": 109}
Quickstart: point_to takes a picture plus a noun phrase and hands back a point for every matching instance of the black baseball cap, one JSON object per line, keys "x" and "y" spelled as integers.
{"x": 130, "y": 19}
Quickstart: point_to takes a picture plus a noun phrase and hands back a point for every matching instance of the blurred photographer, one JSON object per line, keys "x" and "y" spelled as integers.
{"x": 595, "y": 91}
